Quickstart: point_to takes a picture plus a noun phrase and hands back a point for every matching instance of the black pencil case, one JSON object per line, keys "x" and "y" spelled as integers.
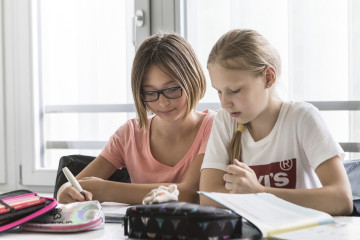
{"x": 180, "y": 220}
{"x": 14, "y": 218}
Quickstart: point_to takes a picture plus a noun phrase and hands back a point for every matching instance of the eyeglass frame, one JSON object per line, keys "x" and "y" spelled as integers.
{"x": 161, "y": 92}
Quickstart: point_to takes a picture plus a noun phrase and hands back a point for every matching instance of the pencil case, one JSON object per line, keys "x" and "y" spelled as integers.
{"x": 180, "y": 220}
{"x": 71, "y": 217}
{"x": 20, "y": 206}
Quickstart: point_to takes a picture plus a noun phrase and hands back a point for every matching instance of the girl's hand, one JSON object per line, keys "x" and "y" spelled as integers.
{"x": 68, "y": 194}
{"x": 96, "y": 186}
{"x": 240, "y": 178}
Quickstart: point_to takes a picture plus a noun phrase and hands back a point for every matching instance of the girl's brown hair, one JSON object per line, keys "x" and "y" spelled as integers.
{"x": 176, "y": 58}
{"x": 246, "y": 50}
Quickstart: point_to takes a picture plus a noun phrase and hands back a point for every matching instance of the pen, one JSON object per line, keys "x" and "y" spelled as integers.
{"x": 70, "y": 177}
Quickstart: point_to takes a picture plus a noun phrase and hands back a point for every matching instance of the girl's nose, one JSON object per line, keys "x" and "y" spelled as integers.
{"x": 163, "y": 101}
{"x": 225, "y": 101}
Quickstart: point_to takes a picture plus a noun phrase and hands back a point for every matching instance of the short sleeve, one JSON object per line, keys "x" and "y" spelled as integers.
{"x": 115, "y": 149}
{"x": 318, "y": 143}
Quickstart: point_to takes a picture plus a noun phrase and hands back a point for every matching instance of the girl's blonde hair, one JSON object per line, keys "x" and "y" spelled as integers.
{"x": 176, "y": 58}
{"x": 246, "y": 50}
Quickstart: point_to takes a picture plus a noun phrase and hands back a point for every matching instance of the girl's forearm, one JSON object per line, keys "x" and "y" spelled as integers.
{"x": 327, "y": 199}
{"x": 127, "y": 192}
{"x": 132, "y": 193}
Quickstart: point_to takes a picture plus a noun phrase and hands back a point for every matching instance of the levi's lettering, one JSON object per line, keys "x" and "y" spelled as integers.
{"x": 278, "y": 174}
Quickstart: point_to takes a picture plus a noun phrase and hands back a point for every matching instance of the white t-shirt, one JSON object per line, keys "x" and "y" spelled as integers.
{"x": 287, "y": 157}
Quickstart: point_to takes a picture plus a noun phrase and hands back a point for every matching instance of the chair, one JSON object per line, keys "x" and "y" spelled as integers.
{"x": 352, "y": 168}
{"x": 76, "y": 163}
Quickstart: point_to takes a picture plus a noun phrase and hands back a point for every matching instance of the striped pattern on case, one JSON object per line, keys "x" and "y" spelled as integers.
{"x": 20, "y": 202}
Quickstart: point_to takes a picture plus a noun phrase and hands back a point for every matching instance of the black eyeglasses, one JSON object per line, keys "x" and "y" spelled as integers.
{"x": 171, "y": 93}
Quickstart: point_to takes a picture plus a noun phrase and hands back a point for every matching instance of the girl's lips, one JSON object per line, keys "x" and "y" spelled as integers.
{"x": 166, "y": 112}
{"x": 234, "y": 114}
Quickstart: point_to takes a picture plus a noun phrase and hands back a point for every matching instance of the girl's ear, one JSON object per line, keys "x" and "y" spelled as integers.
{"x": 270, "y": 76}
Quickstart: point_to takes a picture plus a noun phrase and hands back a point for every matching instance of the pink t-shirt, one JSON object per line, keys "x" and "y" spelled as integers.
{"x": 129, "y": 147}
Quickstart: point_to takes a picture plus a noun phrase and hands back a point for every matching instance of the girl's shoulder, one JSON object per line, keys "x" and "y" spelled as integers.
{"x": 210, "y": 114}
{"x": 298, "y": 113}
{"x": 299, "y": 108}
{"x": 208, "y": 117}
{"x": 223, "y": 122}
{"x": 131, "y": 126}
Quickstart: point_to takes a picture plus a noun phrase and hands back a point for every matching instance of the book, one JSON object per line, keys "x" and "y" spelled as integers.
{"x": 114, "y": 212}
{"x": 270, "y": 214}
{"x": 344, "y": 228}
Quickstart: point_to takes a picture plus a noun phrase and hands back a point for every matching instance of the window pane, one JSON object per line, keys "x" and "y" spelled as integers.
{"x": 203, "y": 29}
{"x": 319, "y": 55}
{"x": 83, "y": 53}
{"x": 317, "y": 47}
{"x": 89, "y": 127}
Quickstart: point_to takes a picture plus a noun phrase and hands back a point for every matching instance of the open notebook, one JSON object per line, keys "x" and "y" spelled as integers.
{"x": 270, "y": 214}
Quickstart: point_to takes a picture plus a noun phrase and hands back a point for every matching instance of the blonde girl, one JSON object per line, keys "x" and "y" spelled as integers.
{"x": 260, "y": 143}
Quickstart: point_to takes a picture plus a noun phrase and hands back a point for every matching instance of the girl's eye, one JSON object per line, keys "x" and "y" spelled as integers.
{"x": 149, "y": 93}
{"x": 235, "y": 91}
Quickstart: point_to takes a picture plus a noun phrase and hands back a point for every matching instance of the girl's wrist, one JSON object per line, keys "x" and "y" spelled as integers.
{"x": 109, "y": 191}
{"x": 263, "y": 189}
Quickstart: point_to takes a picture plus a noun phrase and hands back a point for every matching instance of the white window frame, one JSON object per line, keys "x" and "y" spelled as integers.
{"x": 354, "y": 68}
{"x": 19, "y": 118}
{"x": 2, "y": 107}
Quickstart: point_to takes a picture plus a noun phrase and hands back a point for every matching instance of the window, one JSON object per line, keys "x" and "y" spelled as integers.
{"x": 73, "y": 61}
{"x": 83, "y": 51}
{"x": 319, "y": 49}
{"x": 67, "y": 67}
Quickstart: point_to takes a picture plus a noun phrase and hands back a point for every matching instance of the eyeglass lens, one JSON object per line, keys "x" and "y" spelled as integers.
{"x": 171, "y": 93}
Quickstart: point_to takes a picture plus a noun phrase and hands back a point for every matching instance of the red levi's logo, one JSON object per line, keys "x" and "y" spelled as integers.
{"x": 278, "y": 174}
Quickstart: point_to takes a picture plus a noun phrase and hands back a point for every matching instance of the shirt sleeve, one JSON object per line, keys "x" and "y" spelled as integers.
{"x": 216, "y": 154}
{"x": 115, "y": 149}
{"x": 318, "y": 143}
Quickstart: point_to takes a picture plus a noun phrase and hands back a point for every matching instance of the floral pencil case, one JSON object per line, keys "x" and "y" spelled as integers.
{"x": 20, "y": 206}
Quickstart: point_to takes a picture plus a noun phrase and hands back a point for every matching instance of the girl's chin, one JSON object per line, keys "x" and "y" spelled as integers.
{"x": 241, "y": 121}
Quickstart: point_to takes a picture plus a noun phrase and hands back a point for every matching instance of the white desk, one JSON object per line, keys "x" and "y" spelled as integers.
{"x": 339, "y": 230}
{"x": 110, "y": 231}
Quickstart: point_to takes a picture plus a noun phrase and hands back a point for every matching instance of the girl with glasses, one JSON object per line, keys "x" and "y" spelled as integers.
{"x": 260, "y": 143}
{"x": 167, "y": 147}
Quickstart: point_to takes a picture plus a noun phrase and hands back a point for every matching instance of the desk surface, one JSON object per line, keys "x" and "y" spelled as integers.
{"x": 110, "y": 231}
{"x": 346, "y": 228}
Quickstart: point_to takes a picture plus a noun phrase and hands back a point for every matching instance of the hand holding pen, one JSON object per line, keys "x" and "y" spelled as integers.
{"x": 70, "y": 177}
